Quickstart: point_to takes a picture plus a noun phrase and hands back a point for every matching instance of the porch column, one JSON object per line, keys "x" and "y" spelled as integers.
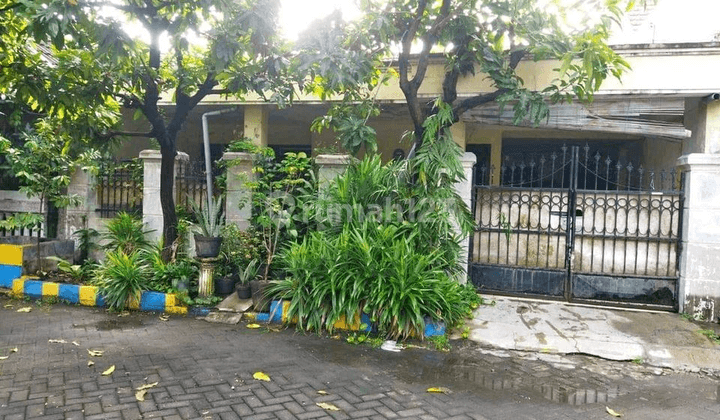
{"x": 465, "y": 190}
{"x": 256, "y": 124}
{"x": 458, "y": 133}
{"x": 238, "y": 208}
{"x": 152, "y": 210}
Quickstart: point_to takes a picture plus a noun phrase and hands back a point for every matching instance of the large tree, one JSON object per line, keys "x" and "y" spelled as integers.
{"x": 482, "y": 38}
{"x": 81, "y": 61}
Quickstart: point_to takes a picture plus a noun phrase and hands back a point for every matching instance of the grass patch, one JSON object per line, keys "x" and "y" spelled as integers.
{"x": 711, "y": 334}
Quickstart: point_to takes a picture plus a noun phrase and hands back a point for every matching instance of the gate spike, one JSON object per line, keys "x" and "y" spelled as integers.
{"x": 652, "y": 180}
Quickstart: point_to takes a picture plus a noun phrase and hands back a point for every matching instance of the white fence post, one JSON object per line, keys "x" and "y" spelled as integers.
{"x": 238, "y": 173}
{"x": 152, "y": 210}
{"x": 699, "y": 287}
{"x": 464, "y": 188}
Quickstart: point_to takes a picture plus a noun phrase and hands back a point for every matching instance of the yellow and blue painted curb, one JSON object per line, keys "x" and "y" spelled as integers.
{"x": 34, "y": 288}
{"x": 361, "y": 322}
{"x": 24, "y": 286}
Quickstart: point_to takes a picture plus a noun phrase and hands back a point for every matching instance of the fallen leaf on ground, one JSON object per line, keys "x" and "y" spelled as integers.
{"x": 54, "y": 340}
{"x": 140, "y": 395}
{"x": 8, "y": 306}
{"x": 321, "y": 392}
{"x": 124, "y": 313}
{"x": 95, "y": 353}
{"x": 438, "y": 390}
{"x": 13, "y": 350}
{"x": 164, "y": 317}
{"x": 327, "y": 406}
{"x": 3, "y": 357}
{"x": 76, "y": 343}
{"x": 253, "y": 326}
{"x": 90, "y": 363}
{"x": 146, "y": 386}
{"x": 612, "y": 412}
{"x": 25, "y": 309}
{"x": 260, "y": 376}
{"x": 109, "y": 371}
{"x": 271, "y": 329}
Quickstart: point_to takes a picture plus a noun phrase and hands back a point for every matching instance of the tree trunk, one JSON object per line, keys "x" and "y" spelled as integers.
{"x": 167, "y": 201}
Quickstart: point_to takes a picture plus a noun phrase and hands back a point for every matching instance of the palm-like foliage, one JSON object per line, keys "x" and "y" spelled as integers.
{"x": 383, "y": 251}
{"x": 123, "y": 277}
{"x": 210, "y": 220}
{"x": 125, "y": 233}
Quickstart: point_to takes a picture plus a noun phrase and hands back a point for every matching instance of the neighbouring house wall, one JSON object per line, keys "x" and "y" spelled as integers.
{"x": 660, "y": 154}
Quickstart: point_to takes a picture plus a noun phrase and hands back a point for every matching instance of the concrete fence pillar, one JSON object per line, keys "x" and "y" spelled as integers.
{"x": 84, "y": 215}
{"x": 152, "y": 210}
{"x": 699, "y": 287}
{"x": 238, "y": 206}
{"x": 464, "y": 189}
{"x": 329, "y": 167}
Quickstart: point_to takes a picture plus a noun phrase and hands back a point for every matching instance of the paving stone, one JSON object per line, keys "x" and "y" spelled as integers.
{"x": 204, "y": 371}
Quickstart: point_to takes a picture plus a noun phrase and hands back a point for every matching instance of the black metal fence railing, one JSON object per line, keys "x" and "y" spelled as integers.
{"x": 580, "y": 226}
{"x": 191, "y": 183}
{"x": 595, "y": 172}
{"x": 119, "y": 188}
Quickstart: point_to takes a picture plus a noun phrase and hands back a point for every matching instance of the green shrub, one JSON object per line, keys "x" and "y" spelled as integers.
{"x": 76, "y": 273}
{"x": 387, "y": 245}
{"x": 123, "y": 277}
{"x": 239, "y": 248}
{"x": 125, "y": 233}
{"x": 380, "y": 270}
{"x": 165, "y": 276}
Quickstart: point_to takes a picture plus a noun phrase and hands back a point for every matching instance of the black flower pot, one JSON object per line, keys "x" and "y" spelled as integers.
{"x": 224, "y": 285}
{"x": 243, "y": 290}
{"x": 207, "y": 246}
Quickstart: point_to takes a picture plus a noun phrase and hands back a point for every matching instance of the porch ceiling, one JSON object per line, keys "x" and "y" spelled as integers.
{"x": 660, "y": 117}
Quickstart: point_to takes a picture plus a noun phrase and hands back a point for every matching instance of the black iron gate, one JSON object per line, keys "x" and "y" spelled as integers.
{"x": 578, "y": 226}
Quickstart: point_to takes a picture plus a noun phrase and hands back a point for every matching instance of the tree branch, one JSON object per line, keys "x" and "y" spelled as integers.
{"x": 406, "y": 42}
{"x": 472, "y": 102}
{"x": 129, "y": 134}
{"x": 185, "y": 103}
{"x": 130, "y": 101}
{"x": 429, "y": 40}
{"x": 516, "y": 57}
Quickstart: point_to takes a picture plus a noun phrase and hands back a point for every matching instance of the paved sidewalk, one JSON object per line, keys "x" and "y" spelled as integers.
{"x": 657, "y": 338}
{"x": 205, "y": 371}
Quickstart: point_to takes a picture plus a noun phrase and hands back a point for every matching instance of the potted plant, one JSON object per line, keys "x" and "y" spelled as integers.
{"x": 243, "y": 286}
{"x": 210, "y": 221}
{"x": 224, "y": 279}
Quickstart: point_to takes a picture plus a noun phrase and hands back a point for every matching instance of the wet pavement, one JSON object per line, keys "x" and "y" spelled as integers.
{"x": 205, "y": 371}
{"x": 657, "y": 338}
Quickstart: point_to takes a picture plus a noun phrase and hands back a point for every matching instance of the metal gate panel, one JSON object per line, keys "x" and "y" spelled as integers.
{"x": 619, "y": 241}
